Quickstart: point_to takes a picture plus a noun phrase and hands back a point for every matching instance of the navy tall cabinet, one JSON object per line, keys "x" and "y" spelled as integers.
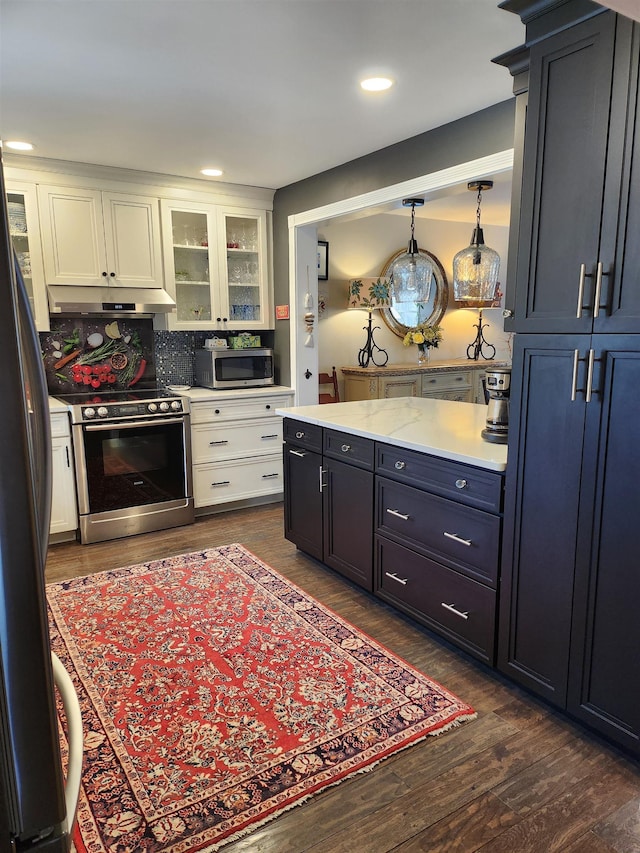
{"x": 571, "y": 575}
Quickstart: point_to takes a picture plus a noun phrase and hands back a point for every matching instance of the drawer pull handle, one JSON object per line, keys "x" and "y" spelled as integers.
{"x": 461, "y": 484}
{"x": 321, "y": 472}
{"x": 400, "y": 465}
{"x": 345, "y": 448}
{"x": 300, "y": 453}
{"x": 453, "y": 609}
{"x": 395, "y": 577}
{"x": 299, "y": 434}
{"x": 273, "y": 435}
{"x": 269, "y": 476}
{"x": 214, "y": 443}
{"x": 459, "y": 539}
{"x": 221, "y": 483}
{"x": 398, "y": 514}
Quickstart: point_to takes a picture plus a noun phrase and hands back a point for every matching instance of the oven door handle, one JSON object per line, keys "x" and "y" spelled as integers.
{"x": 130, "y": 424}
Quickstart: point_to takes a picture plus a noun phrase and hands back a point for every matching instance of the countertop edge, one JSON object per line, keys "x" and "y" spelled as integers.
{"x": 423, "y": 446}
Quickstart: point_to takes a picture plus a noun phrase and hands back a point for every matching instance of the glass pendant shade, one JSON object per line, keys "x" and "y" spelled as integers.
{"x": 412, "y": 277}
{"x": 475, "y": 271}
{"x": 412, "y": 272}
{"x": 476, "y": 268}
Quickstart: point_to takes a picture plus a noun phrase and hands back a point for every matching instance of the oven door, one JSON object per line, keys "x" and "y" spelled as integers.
{"x": 132, "y": 464}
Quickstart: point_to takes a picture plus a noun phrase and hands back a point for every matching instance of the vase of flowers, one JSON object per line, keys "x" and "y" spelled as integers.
{"x": 425, "y": 337}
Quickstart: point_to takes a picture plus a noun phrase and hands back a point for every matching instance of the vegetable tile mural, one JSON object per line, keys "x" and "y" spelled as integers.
{"x": 98, "y": 354}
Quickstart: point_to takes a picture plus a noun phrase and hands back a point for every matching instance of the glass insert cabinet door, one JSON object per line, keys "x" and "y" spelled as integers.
{"x": 24, "y": 232}
{"x": 191, "y": 271}
{"x": 244, "y": 271}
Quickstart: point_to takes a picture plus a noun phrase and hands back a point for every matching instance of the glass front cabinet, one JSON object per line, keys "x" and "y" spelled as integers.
{"x": 24, "y": 230}
{"x": 216, "y": 266}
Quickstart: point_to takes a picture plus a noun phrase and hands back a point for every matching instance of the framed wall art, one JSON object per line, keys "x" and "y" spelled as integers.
{"x": 323, "y": 260}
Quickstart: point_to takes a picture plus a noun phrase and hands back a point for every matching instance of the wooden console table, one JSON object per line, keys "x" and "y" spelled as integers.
{"x": 457, "y": 379}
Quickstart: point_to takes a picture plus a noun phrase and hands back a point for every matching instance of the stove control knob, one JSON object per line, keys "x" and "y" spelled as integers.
{"x": 176, "y": 405}
{"x": 152, "y": 407}
{"x": 103, "y": 412}
{"x": 89, "y": 412}
{"x": 164, "y": 407}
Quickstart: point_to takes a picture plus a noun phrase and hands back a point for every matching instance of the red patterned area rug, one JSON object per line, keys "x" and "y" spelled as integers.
{"x": 216, "y": 694}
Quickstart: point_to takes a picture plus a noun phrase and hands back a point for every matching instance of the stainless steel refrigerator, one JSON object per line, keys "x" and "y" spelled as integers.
{"x": 37, "y": 802}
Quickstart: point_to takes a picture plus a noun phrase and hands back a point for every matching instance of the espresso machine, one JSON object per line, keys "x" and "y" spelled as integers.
{"x": 497, "y": 383}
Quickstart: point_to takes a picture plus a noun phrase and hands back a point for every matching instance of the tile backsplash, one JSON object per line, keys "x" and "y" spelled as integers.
{"x": 169, "y": 355}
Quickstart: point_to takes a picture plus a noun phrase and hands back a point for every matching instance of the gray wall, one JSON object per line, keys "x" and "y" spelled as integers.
{"x": 477, "y": 135}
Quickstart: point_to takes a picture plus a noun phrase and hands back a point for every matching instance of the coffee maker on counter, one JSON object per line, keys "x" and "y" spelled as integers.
{"x": 497, "y": 383}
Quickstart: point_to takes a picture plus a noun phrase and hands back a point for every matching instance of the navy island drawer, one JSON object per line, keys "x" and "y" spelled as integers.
{"x": 472, "y": 486}
{"x": 299, "y": 432}
{"x": 349, "y": 448}
{"x": 460, "y": 609}
{"x": 463, "y": 538}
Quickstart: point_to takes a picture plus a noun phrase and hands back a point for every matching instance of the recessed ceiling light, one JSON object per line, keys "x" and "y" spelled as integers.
{"x": 211, "y": 173}
{"x": 376, "y": 84}
{"x": 19, "y": 146}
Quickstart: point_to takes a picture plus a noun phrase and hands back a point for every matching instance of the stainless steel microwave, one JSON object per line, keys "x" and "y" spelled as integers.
{"x": 234, "y": 368}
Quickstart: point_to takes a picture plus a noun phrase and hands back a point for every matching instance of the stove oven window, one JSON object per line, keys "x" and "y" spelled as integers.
{"x": 134, "y": 466}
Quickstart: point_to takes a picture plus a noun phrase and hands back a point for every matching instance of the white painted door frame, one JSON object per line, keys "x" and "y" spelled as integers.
{"x": 303, "y": 277}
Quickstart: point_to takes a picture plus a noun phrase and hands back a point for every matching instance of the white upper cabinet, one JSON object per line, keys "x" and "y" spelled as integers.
{"x": 216, "y": 266}
{"x": 24, "y": 230}
{"x": 96, "y": 238}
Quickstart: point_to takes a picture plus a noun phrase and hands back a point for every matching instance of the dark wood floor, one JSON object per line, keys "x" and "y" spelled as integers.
{"x": 520, "y": 778}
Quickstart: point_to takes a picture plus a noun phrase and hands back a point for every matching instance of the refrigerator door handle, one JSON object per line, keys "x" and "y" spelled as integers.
{"x": 69, "y": 697}
{"x": 38, "y": 411}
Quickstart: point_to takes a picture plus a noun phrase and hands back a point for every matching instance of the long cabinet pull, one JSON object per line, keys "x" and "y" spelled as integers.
{"x": 300, "y": 453}
{"x": 587, "y": 395}
{"x": 574, "y": 377}
{"x": 394, "y": 577}
{"x": 214, "y": 443}
{"x": 399, "y": 514}
{"x": 596, "y": 298}
{"x": 273, "y": 435}
{"x": 457, "y": 538}
{"x": 269, "y": 476}
{"x": 322, "y": 471}
{"x": 221, "y": 483}
{"x": 583, "y": 275}
{"x": 453, "y": 609}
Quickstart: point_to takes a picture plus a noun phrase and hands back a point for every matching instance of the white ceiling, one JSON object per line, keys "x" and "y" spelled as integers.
{"x": 266, "y": 89}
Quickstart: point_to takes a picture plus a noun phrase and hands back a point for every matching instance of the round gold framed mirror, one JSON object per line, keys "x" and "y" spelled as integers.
{"x": 402, "y": 316}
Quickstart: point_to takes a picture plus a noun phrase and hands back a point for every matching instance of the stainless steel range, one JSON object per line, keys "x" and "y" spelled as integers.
{"x": 132, "y": 462}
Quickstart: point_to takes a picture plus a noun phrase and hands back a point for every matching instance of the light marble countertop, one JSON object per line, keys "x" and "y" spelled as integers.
{"x": 56, "y": 406}
{"x": 443, "y": 428}
{"x": 202, "y": 395}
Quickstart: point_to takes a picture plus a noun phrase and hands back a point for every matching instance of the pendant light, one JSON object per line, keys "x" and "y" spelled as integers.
{"x": 476, "y": 268}
{"x": 412, "y": 273}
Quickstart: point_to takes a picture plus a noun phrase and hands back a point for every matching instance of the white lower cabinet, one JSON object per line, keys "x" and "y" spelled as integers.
{"x": 64, "y": 511}
{"x": 236, "y": 448}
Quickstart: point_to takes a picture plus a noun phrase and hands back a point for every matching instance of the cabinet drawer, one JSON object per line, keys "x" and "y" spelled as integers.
{"x": 464, "y": 538}
{"x": 457, "y": 607}
{"x": 464, "y": 483}
{"x": 60, "y": 427}
{"x": 299, "y": 432}
{"x": 458, "y": 395}
{"x": 245, "y": 438}
{"x": 349, "y": 448}
{"x": 232, "y": 410}
{"x": 236, "y": 480}
{"x": 447, "y": 380}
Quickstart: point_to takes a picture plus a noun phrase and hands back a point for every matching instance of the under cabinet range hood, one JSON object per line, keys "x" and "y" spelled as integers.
{"x": 120, "y": 301}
